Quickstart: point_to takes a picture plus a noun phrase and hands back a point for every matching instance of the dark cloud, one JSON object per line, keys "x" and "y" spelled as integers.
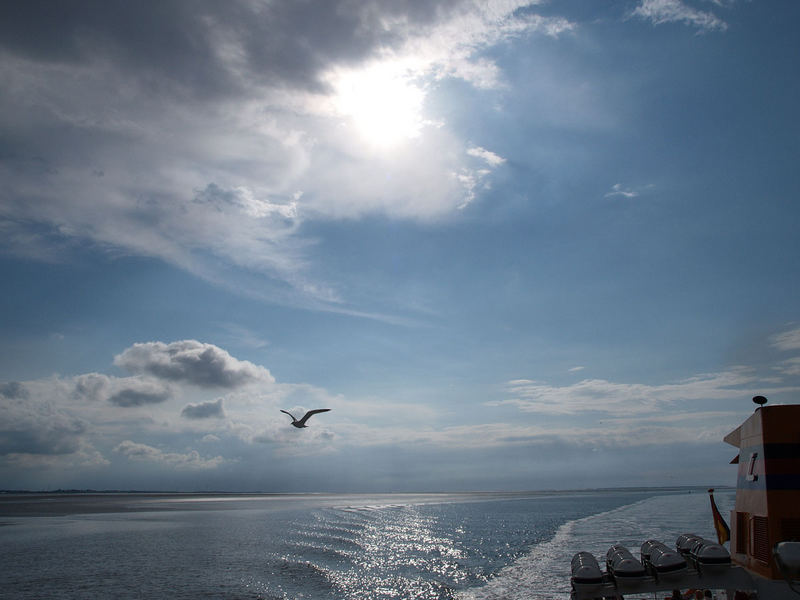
{"x": 121, "y": 391}
{"x": 13, "y": 389}
{"x": 190, "y": 361}
{"x": 193, "y": 44}
{"x": 138, "y": 397}
{"x": 188, "y": 107}
{"x": 92, "y": 386}
{"x": 204, "y": 410}
{"x": 30, "y": 426}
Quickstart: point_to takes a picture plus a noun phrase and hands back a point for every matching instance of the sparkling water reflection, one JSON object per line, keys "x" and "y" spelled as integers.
{"x": 331, "y": 547}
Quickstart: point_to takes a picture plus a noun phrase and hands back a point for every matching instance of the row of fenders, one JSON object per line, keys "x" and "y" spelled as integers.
{"x": 657, "y": 561}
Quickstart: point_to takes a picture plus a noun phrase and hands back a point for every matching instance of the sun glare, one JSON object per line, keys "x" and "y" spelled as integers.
{"x": 384, "y": 106}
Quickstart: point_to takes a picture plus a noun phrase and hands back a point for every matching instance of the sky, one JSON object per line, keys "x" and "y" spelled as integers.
{"x": 511, "y": 245}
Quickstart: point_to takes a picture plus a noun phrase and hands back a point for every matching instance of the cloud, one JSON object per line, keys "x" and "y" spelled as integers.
{"x": 142, "y": 392}
{"x": 30, "y": 425}
{"x": 453, "y": 46}
{"x": 93, "y": 386}
{"x": 55, "y": 422}
{"x": 790, "y": 366}
{"x": 190, "y": 361}
{"x": 85, "y": 456}
{"x": 13, "y": 390}
{"x": 599, "y": 396}
{"x": 204, "y": 410}
{"x": 618, "y": 190}
{"x": 490, "y": 157}
{"x": 676, "y": 11}
{"x": 205, "y": 48}
{"x": 788, "y": 340}
{"x": 612, "y": 431}
{"x": 188, "y": 461}
{"x": 241, "y": 336}
{"x": 204, "y": 135}
{"x": 121, "y": 391}
{"x": 627, "y": 192}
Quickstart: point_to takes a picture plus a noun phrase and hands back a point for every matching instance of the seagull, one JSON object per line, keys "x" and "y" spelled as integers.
{"x": 302, "y": 422}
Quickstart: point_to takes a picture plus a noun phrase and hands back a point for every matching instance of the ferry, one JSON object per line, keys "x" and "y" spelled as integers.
{"x": 762, "y": 561}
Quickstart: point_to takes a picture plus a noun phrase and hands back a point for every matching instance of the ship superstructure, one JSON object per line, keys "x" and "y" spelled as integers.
{"x": 764, "y": 557}
{"x": 767, "y": 507}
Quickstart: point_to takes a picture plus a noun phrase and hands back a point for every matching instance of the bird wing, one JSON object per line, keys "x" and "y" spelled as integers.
{"x": 312, "y": 412}
{"x": 290, "y": 414}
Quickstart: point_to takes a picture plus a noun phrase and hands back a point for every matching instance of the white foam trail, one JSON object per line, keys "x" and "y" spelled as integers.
{"x": 544, "y": 572}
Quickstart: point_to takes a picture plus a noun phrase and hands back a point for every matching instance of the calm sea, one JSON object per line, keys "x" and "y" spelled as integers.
{"x": 469, "y": 546}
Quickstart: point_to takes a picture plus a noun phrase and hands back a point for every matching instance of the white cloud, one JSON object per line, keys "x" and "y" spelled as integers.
{"x": 451, "y": 48}
{"x": 626, "y": 191}
{"x": 618, "y": 190}
{"x": 187, "y": 461}
{"x": 677, "y": 11}
{"x": 490, "y": 157}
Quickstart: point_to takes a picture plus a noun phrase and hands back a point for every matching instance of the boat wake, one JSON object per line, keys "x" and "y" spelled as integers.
{"x": 544, "y": 572}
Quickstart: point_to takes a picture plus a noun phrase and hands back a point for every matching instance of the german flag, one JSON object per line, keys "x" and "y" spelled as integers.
{"x": 723, "y": 531}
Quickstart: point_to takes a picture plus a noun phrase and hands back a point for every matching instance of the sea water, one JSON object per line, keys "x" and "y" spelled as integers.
{"x": 467, "y": 546}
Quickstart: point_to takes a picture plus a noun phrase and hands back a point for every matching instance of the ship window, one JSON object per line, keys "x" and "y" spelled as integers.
{"x": 751, "y": 466}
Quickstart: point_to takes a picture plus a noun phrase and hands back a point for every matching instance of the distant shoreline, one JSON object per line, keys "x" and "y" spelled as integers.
{"x": 60, "y": 503}
{"x": 77, "y": 491}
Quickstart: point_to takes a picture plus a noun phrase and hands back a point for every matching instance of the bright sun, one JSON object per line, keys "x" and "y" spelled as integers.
{"x": 384, "y": 106}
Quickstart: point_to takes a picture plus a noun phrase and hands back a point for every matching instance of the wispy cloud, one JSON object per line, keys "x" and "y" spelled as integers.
{"x": 618, "y": 190}
{"x": 788, "y": 340}
{"x": 490, "y": 157}
{"x": 626, "y": 192}
{"x": 677, "y": 11}
{"x": 789, "y": 367}
{"x": 600, "y": 396}
{"x": 243, "y": 336}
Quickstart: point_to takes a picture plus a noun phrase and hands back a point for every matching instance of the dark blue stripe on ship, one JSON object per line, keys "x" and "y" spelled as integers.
{"x": 781, "y": 451}
{"x": 789, "y": 481}
{"x": 771, "y": 451}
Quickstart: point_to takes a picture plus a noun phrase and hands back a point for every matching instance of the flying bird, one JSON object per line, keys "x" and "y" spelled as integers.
{"x": 302, "y": 422}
